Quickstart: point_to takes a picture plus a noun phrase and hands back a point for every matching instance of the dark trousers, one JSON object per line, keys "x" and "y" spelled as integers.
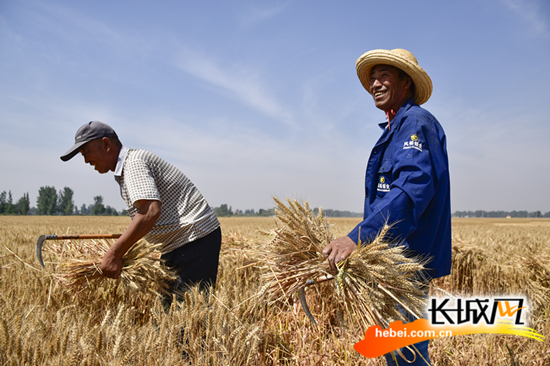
{"x": 195, "y": 263}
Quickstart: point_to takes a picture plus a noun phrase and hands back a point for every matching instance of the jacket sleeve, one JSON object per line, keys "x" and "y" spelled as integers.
{"x": 416, "y": 159}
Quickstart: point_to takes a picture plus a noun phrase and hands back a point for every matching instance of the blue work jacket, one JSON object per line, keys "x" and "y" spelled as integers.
{"x": 407, "y": 185}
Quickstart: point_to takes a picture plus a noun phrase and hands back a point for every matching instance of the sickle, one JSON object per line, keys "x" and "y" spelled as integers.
{"x": 42, "y": 238}
{"x": 302, "y": 294}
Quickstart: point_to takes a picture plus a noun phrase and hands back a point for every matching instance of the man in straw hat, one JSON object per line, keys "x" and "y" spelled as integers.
{"x": 165, "y": 207}
{"x": 407, "y": 179}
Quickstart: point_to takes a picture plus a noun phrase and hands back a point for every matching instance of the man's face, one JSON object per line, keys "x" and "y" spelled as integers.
{"x": 95, "y": 154}
{"x": 386, "y": 86}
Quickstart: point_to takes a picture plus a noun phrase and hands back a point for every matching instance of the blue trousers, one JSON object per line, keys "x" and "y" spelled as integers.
{"x": 421, "y": 347}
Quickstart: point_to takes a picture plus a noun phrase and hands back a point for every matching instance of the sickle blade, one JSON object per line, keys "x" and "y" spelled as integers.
{"x": 39, "y": 244}
{"x": 303, "y": 302}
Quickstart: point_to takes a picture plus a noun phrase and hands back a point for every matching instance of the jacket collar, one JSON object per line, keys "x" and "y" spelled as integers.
{"x": 396, "y": 121}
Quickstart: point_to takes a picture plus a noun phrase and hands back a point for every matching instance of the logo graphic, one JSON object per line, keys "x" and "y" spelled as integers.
{"x": 382, "y": 185}
{"x": 476, "y": 311}
{"x": 502, "y": 315}
{"x": 414, "y": 143}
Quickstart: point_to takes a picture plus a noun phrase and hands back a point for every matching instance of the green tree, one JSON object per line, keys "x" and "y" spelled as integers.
{"x": 223, "y": 210}
{"x": 46, "y": 203}
{"x": 110, "y": 211}
{"x": 98, "y": 207}
{"x": 10, "y": 208}
{"x": 23, "y": 205}
{"x": 66, "y": 203}
{"x": 3, "y": 202}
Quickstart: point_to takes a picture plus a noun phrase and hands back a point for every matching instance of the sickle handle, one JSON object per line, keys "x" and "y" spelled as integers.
{"x": 42, "y": 238}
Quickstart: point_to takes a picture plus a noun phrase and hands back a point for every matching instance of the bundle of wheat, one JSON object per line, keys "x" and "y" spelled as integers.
{"x": 478, "y": 270}
{"x": 370, "y": 286}
{"x": 77, "y": 265}
{"x": 535, "y": 271}
{"x": 294, "y": 255}
{"x": 468, "y": 260}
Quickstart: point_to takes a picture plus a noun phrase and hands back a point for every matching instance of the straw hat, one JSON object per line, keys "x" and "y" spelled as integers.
{"x": 402, "y": 59}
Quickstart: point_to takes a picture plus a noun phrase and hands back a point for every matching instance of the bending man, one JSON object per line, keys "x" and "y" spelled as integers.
{"x": 163, "y": 203}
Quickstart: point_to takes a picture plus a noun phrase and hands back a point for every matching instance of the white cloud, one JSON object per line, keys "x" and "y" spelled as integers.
{"x": 244, "y": 168}
{"x": 241, "y": 82}
{"x": 58, "y": 19}
{"x": 255, "y": 14}
{"x": 281, "y": 126}
{"x": 530, "y": 11}
{"x": 496, "y": 157}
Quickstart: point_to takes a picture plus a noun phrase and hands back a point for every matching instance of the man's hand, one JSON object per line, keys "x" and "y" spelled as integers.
{"x": 144, "y": 220}
{"x": 338, "y": 250}
{"x": 111, "y": 265}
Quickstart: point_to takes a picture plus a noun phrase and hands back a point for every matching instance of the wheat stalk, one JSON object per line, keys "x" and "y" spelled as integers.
{"x": 371, "y": 285}
{"x": 77, "y": 265}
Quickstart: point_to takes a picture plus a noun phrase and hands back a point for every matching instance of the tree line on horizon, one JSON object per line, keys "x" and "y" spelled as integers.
{"x": 52, "y": 202}
{"x": 224, "y": 211}
{"x": 500, "y": 214}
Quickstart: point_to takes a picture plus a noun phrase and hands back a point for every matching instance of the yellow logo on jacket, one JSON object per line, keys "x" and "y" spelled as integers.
{"x": 413, "y": 143}
{"x": 382, "y": 185}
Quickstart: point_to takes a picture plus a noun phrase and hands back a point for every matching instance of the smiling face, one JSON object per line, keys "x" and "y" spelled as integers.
{"x": 99, "y": 154}
{"x": 388, "y": 88}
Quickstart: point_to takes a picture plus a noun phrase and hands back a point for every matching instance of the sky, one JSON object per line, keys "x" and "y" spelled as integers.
{"x": 255, "y": 99}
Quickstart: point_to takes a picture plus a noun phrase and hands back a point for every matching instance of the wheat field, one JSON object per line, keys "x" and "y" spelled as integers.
{"x": 44, "y": 323}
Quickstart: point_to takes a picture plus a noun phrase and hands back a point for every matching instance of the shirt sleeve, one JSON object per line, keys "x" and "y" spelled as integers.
{"x": 417, "y": 155}
{"x": 140, "y": 182}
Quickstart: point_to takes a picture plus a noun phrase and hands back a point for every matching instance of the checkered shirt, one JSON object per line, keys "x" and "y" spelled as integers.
{"x": 185, "y": 214}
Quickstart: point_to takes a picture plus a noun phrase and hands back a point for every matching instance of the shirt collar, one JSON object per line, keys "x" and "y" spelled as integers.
{"x": 120, "y": 162}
